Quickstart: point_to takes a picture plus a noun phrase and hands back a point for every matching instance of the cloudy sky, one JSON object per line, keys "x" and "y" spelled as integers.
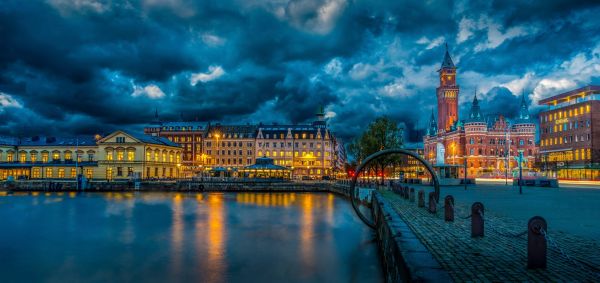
{"x": 86, "y": 66}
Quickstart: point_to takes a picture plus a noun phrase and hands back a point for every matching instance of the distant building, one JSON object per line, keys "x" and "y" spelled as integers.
{"x": 229, "y": 147}
{"x": 569, "y": 135}
{"x": 189, "y": 135}
{"x": 308, "y": 150}
{"x": 488, "y": 145}
{"x": 119, "y": 155}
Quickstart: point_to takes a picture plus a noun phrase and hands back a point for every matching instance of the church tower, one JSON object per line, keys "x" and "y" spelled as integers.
{"x": 447, "y": 94}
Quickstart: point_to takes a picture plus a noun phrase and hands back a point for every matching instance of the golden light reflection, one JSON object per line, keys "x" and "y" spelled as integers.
{"x": 307, "y": 230}
{"x": 266, "y": 199}
{"x": 329, "y": 207}
{"x": 177, "y": 227}
{"x": 217, "y": 235}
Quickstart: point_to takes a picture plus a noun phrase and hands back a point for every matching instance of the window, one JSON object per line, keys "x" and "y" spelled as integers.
{"x": 120, "y": 155}
{"x": 148, "y": 156}
{"x": 44, "y": 157}
{"x": 35, "y": 173}
{"x": 120, "y": 139}
{"x": 68, "y": 156}
{"x": 129, "y": 171}
{"x": 131, "y": 155}
{"x": 119, "y": 171}
{"x": 109, "y": 173}
{"x": 34, "y": 158}
{"x": 49, "y": 172}
{"x": 88, "y": 173}
{"x": 23, "y": 157}
{"x": 73, "y": 172}
{"x": 109, "y": 155}
{"x": 56, "y": 156}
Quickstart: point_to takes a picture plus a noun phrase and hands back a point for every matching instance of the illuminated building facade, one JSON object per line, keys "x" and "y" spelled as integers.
{"x": 409, "y": 167}
{"x": 569, "y": 138}
{"x": 309, "y": 150}
{"x": 119, "y": 155}
{"x": 189, "y": 135}
{"x": 488, "y": 145}
{"x": 229, "y": 147}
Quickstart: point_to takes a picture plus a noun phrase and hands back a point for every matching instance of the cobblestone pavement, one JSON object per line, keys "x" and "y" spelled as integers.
{"x": 497, "y": 257}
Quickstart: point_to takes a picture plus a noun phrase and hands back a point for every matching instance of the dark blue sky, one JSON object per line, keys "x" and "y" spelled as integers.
{"x": 85, "y": 66}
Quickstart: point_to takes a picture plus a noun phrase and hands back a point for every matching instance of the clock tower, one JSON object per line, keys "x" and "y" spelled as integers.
{"x": 447, "y": 94}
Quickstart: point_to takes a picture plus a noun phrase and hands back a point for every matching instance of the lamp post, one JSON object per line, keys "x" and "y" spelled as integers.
{"x": 217, "y": 155}
{"x": 520, "y": 160}
{"x": 506, "y": 153}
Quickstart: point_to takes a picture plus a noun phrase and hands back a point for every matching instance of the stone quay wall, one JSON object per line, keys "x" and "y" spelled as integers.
{"x": 404, "y": 257}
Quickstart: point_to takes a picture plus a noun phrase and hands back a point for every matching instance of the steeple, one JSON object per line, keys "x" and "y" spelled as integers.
{"x": 432, "y": 129}
{"x": 320, "y": 122}
{"x": 524, "y": 111}
{"x": 447, "y": 62}
{"x": 475, "y": 115}
{"x": 156, "y": 120}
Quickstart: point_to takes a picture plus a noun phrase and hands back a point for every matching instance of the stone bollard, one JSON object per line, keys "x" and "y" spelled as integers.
{"x": 449, "y": 208}
{"x": 412, "y": 195}
{"x": 432, "y": 203}
{"x": 421, "y": 198}
{"x": 477, "y": 220}
{"x": 536, "y": 242}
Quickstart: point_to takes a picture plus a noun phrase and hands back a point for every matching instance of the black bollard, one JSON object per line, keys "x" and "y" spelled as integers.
{"x": 536, "y": 242}
{"x": 405, "y": 193}
{"x": 449, "y": 208}
{"x": 421, "y": 198}
{"x": 432, "y": 203}
{"x": 477, "y": 220}
{"x": 412, "y": 195}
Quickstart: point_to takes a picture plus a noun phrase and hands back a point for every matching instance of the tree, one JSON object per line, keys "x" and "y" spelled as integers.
{"x": 383, "y": 133}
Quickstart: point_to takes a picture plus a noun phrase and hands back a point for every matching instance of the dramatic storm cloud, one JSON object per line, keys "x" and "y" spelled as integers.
{"x": 86, "y": 66}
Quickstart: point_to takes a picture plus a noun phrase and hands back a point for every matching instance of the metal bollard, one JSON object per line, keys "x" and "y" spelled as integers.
{"x": 421, "y": 198}
{"x": 405, "y": 193}
{"x": 536, "y": 242}
{"x": 432, "y": 203}
{"x": 449, "y": 208}
{"x": 477, "y": 220}
{"x": 411, "y": 195}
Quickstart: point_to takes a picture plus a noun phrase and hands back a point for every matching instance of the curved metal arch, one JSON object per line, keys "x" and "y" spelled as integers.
{"x": 434, "y": 177}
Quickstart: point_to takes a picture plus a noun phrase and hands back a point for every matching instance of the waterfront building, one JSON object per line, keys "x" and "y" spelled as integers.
{"x": 409, "y": 167}
{"x": 569, "y": 135}
{"x": 48, "y": 157}
{"x": 308, "y": 150}
{"x": 133, "y": 156}
{"x": 485, "y": 145}
{"x": 227, "y": 148}
{"x": 187, "y": 134}
{"x": 119, "y": 155}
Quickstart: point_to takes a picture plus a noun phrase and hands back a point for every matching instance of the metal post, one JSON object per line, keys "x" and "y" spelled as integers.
{"x": 477, "y": 220}
{"x": 449, "y": 208}
{"x": 536, "y": 243}
{"x": 432, "y": 203}
{"x": 520, "y": 171}
{"x": 421, "y": 198}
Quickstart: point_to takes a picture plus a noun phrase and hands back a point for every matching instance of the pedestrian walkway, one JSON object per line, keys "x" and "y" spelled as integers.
{"x": 498, "y": 256}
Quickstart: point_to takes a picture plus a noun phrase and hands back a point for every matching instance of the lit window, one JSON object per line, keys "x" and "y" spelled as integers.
{"x": 23, "y": 157}
{"x": 73, "y": 172}
{"x": 109, "y": 155}
{"x": 131, "y": 155}
{"x": 56, "y": 156}
{"x": 120, "y": 155}
{"x": 44, "y": 157}
{"x": 49, "y": 172}
{"x": 68, "y": 155}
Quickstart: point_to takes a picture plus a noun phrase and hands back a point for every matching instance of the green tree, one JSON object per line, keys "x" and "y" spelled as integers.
{"x": 383, "y": 133}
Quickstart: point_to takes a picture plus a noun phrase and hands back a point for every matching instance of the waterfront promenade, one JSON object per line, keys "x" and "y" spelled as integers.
{"x": 500, "y": 255}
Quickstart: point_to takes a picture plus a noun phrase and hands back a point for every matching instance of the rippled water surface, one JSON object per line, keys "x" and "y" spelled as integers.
{"x": 173, "y": 237}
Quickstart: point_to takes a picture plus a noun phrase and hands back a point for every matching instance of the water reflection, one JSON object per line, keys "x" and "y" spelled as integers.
{"x": 176, "y": 237}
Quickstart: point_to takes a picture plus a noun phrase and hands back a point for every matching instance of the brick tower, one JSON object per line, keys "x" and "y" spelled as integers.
{"x": 447, "y": 94}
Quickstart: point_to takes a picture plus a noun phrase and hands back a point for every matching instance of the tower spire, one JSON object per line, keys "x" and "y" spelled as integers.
{"x": 447, "y": 62}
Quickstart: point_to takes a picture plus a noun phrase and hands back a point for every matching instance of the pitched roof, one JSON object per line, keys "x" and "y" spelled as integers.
{"x": 447, "y": 62}
{"x": 153, "y": 139}
{"x": 58, "y": 141}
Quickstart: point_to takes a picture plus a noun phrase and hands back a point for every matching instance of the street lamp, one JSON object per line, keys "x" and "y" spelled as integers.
{"x": 520, "y": 160}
